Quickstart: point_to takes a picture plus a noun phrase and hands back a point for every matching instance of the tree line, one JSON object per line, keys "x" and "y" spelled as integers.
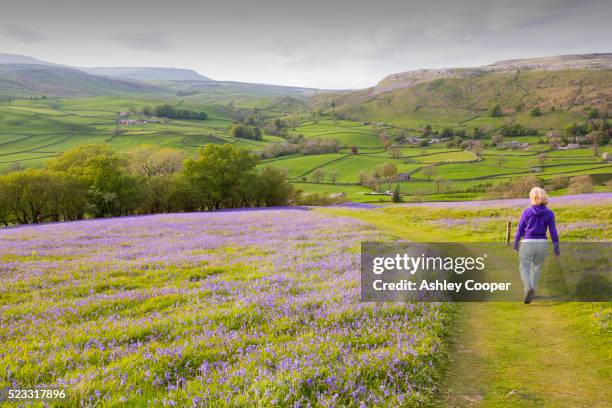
{"x": 170, "y": 112}
{"x": 92, "y": 181}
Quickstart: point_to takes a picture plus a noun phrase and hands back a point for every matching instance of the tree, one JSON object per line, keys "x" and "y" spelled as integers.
{"x": 496, "y": 111}
{"x": 25, "y": 194}
{"x": 67, "y": 198}
{"x": 386, "y": 172}
{"x": 593, "y": 113}
{"x": 559, "y": 182}
{"x": 535, "y": 112}
{"x": 580, "y": 184}
{"x": 157, "y": 195}
{"x": 541, "y": 158}
{"x": 397, "y": 196}
{"x": 394, "y": 151}
{"x": 333, "y": 176}
{"x": 150, "y": 160}
{"x": 111, "y": 189}
{"x": 438, "y": 181}
{"x": 222, "y": 176}
{"x": 500, "y": 160}
{"x": 278, "y": 124}
{"x": 429, "y": 172}
{"x": 169, "y": 111}
{"x": 245, "y": 132}
{"x": 318, "y": 175}
{"x": 516, "y": 129}
{"x": 446, "y": 133}
{"x": 272, "y": 188}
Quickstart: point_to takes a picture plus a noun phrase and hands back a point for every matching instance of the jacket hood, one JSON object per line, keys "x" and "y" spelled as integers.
{"x": 538, "y": 210}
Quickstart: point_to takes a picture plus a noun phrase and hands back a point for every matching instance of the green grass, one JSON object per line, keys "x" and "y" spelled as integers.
{"x": 348, "y": 133}
{"x": 351, "y": 192}
{"x": 297, "y": 166}
{"x": 33, "y": 131}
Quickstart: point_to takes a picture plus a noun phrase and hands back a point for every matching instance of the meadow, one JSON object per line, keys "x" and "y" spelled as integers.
{"x": 195, "y": 310}
{"x": 261, "y": 308}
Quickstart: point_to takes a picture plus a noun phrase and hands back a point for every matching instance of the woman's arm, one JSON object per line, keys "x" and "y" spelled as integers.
{"x": 520, "y": 231}
{"x": 554, "y": 236}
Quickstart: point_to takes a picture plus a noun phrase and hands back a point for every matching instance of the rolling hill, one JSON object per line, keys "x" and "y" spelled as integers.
{"x": 457, "y": 95}
{"x": 24, "y": 76}
{"x": 25, "y": 80}
{"x": 147, "y": 73}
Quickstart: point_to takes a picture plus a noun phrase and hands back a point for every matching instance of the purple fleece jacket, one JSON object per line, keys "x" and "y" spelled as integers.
{"x": 533, "y": 224}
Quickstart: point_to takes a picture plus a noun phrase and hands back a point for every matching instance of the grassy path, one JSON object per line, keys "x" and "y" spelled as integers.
{"x": 514, "y": 355}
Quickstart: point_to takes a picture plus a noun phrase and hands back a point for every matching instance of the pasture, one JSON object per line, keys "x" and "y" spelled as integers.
{"x": 32, "y": 131}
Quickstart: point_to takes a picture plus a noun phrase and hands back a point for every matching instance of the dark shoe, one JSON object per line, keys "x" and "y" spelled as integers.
{"x": 528, "y": 296}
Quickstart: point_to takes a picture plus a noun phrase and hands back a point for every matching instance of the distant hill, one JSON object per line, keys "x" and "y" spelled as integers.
{"x": 233, "y": 89}
{"x": 562, "y": 62}
{"x": 147, "y": 73}
{"x": 21, "y": 75}
{"x": 37, "y": 80}
{"x": 21, "y": 59}
{"x": 567, "y": 83}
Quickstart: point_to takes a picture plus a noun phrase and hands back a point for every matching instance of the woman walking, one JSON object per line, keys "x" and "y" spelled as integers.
{"x": 531, "y": 234}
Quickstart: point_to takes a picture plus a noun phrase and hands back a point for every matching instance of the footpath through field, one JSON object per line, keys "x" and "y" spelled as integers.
{"x": 514, "y": 355}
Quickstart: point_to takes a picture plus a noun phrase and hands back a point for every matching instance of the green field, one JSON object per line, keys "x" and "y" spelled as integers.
{"x": 349, "y": 133}
{"x": 32, "y": 131}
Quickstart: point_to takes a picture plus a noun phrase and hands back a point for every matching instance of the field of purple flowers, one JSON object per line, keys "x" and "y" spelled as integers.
{"x": 240, "y": 308}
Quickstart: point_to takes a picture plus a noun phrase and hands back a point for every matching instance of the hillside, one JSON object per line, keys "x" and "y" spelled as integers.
{"x": 147, "y": 73}
{"x": 24, "y": 80}
{"x": 22, "y": 59}
{"x": 456, "y": 95}
{"x": 24, "y": 76}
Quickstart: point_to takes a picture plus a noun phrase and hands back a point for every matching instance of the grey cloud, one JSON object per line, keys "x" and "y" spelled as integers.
{"x": 339, "y": 43}
{"x": 23, "y": 34}
{"x": 145, "y": 41}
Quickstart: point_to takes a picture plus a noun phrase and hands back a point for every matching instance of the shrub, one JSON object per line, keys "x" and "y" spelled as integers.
{"x": 245, "y": 132}
{"x": 535, "y": 112}
{"x": 496, "y": 111}
{"x": 580, "y": 184}
{"x": 397, "y": 197}
{"x": 169, "y": 111}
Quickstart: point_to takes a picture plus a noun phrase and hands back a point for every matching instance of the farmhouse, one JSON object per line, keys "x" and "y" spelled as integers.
{"x": 414, "y": 140}
{"x": 130, "y": 122}
{"x": 403, "y": 176}
{"x": 569, "y": 146}
{"x": 514, "y": 144}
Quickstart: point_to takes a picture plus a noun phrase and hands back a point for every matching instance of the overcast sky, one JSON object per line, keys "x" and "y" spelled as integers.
{"x": 315, "y": 43}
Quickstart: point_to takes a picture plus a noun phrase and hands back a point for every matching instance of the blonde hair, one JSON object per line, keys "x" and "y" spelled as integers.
{"x": 538, "y": 196}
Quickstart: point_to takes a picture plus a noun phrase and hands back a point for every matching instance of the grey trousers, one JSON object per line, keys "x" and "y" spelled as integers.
{"x": 532, "y": 254}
